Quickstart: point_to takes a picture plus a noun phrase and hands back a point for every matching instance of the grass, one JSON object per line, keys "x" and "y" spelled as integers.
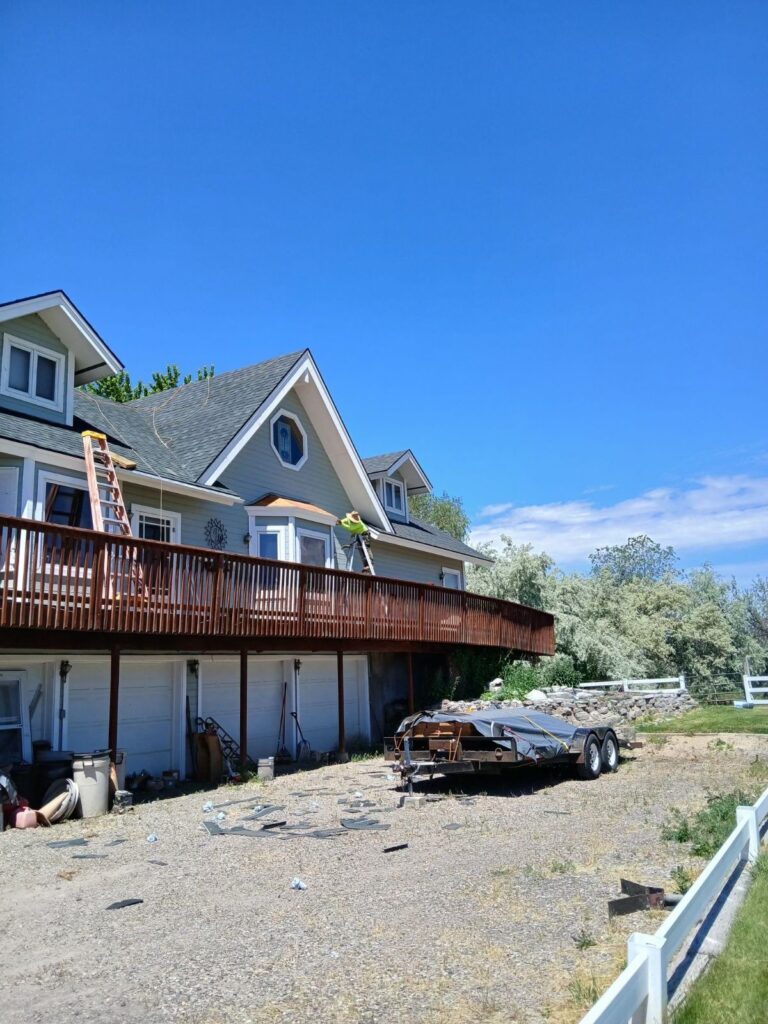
{"x": 714, "y": 718}
{"x": 709, "y": 827}
{"x": 735, "y": 989}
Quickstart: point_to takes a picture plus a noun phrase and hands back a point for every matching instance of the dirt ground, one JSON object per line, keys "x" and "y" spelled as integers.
{"x": 502, "y": 918}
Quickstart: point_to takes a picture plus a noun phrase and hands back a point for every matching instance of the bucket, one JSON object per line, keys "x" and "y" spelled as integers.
{"x": 266, "y": 768}
{"x": 120, "y": 763}
{"x": 91, "y": 773}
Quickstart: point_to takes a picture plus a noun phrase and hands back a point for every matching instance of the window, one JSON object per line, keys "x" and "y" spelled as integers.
{"x": 313, "y": 548}
{"x": 266, "y": 545}
{"x": 451, "y": 579}
{"x": 31, "y": 372}
{"x": 11, "y": 724}
{"x": 67, "y": 505}
{"x": 289, "y": 439}
{"x": 155, "y": 524}
{"x": 394, "y": 498}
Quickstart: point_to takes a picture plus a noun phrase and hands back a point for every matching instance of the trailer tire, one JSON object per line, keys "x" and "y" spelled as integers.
{"x": 609, "y": 752}
{"x": 592, "y": 763}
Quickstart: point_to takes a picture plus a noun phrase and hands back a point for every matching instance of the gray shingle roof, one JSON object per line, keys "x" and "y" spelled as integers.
{"x": 381, "y": 463}
{"x": 426, "y": 533}
{"x": 197, "y": 420}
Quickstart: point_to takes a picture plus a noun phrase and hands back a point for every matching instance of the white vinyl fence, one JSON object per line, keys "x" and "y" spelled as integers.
{"x": 639, "y": 994}
{"x": 669, "y": 684}
{"x": 750, "y": 689}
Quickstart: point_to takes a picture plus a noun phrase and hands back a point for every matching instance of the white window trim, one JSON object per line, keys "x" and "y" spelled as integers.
{"x": 279, "y": 529}
{"x": 380, "y": 483}
{"x": 291, "y": 416}
{"x": 20, "y": 676}
{"x": 7, "y": 470}
{"x": 315, "y": 535}
{"x": 44, "y": 478}
{"x": 10, "y": 340}
{"x": 174, "y": 519}
{"x": 453, "y": 572}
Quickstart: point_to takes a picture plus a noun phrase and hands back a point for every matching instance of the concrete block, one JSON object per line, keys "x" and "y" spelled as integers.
{"x": 415, "y": 801}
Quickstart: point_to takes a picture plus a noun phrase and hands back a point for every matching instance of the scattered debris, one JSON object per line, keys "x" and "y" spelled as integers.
{"x": 638, "y": 897}
{"x": 160, "y": 863}
{"x": 60, "y": 844}
{"x": 262, "y": 811}
{"x": 273, "y": 824}
{"x": 114, "y": 842}
{"x": 327, "y": 833}
{"x": 89, "y": 856}
{"x": 207, "y": 806}
{"x": 67, "y": 874}
{"x": 394, "y": 849}
{"x": 120, "y": 904}
{"x": 221, "y": 816}
{"x": 452, "y": 826}
{"x": 152, "y": 838}
{"x": 298, "y": 884}
{"x": 212, "y": 827}
{"x": 364, "y": 823}
{"x": 559, "y": 812}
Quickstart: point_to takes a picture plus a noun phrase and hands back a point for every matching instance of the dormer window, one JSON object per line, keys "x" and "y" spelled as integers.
{"x": 394, "y": 497}
{"x": 289, "y": 439}
{"x": 32, "y": 373}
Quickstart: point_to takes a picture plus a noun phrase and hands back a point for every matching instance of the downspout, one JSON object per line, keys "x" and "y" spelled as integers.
{"x": 64, "y": 669}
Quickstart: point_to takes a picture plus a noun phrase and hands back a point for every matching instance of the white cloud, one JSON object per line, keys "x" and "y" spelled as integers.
{"x": 713, "y": 513}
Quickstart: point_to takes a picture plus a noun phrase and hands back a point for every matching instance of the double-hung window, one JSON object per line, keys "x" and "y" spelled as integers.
{"x": 32, "y": 373}
{"x": 394, "y": 497}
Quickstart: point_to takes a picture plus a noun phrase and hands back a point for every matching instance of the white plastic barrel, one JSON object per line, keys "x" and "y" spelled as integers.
{"x": 91, "y": 773}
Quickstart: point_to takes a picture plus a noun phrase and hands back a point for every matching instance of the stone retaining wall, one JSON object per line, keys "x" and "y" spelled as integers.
{"x": 590, "y": 707}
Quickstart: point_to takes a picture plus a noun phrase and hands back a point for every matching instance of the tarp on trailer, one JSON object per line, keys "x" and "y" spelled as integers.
{"x": 538, "y": 736}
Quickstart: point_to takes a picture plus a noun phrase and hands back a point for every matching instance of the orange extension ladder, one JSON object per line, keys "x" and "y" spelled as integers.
{"x": 108, "y": 510}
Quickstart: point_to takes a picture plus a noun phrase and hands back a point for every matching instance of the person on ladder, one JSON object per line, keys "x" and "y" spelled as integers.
{"x": 361, "y": 536}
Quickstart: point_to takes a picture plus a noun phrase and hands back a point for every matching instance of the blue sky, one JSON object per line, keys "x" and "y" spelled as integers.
{"x": 526, "y": 239}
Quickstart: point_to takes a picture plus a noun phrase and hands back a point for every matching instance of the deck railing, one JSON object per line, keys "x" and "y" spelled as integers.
{"x": 62, "y": 578}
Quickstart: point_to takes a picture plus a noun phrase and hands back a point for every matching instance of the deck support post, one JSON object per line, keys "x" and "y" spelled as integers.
{"x": 411, "y": 700}
{"x": 243, "y": 710}
{"x": 114, "y": 693}
{"x": 340, "y": 678}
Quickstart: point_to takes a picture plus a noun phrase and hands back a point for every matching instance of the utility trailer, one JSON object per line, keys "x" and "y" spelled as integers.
{"x": 439, "y": 743}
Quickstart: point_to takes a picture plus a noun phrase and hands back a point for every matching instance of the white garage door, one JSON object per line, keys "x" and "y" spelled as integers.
{"x": 145, "y": 711}
{"x": 220, "y": 699}
{"x": 319, "y": 701}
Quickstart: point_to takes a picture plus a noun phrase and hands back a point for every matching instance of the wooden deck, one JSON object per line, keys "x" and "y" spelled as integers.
{"x": 56, "y": 580}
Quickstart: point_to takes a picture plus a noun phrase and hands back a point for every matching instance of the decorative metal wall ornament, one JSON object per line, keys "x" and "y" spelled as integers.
{"x": 216, "y": 534}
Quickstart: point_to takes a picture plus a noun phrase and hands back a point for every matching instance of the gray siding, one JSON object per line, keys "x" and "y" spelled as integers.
{"x": 194, "y": 515}
{"x": 257, "y": 471}
{"x": 403, "y": 563}
{"x": 33, "y": 329}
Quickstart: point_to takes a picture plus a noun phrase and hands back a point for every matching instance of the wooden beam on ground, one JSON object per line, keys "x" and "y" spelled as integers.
{"x": 114, "y": 695}
{"x": 243, "y": 710}
{"x": 411, "y": 700}
{"x": 340, "y": 678}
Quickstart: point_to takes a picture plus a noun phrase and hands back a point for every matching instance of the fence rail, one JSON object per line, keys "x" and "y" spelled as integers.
{"x": 62, "y": 578}
{"x": 639, "y": 994}
{"x": 669, "y": 684}
{"x": 750, "y": 689}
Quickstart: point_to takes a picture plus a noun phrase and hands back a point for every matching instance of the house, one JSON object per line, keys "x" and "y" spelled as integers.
{"x": 240, "y": 592}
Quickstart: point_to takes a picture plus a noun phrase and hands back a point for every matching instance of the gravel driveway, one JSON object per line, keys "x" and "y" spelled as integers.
{"x": 484, "y": 921}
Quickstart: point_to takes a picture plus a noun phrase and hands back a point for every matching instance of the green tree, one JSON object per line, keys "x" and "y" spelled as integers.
{"x": 443, "y": 511}
{"x": 640, "y": 558}
{"x": 119, "y": 387}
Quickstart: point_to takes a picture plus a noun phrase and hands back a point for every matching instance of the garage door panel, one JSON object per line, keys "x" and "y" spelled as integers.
{"x": 145, "y": 711}
{"x": 221, "y": 701}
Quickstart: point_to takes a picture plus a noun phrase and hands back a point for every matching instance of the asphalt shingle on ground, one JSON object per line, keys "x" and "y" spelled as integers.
{"x": 476, "y": 922}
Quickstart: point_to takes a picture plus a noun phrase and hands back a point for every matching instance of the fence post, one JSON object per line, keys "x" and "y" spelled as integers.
{"x": 653, "y": 947}
{"x": 747, "y": 688}
{"x": 625, "y": 685}
{"x": 682, "y": 681}
{"x": 749, "y": 815}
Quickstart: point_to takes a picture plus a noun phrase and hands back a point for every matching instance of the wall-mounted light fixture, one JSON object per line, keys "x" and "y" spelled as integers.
{"x": 193, "y": 665}
{"x": 246, "y": 538}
